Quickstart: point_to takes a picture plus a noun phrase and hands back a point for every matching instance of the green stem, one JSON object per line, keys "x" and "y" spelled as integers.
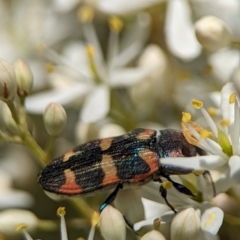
{"x": 30, "y": 142}
{"x": 49, "y": 148}
{"x": 13, "y": 111}
{"x": 81, "y": 205}
{"x": 12, "y": 139}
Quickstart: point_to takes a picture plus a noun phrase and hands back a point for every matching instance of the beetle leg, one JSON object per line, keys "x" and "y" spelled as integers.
{"x": 163, "y": 192}
{"x": 111, "y": 197}
{"x": 181, "y": 188}
{"x": 110, "y": 200}
{"x": 207, "y": 175}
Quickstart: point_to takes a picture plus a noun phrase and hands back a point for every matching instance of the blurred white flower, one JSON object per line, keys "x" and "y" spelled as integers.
{"x": 179, "y": 29}
{"x": 212, "y": 33}
{"x": 9, "y": 219}
{"x": 97, "y": 75}
{"x": 10, "y": 197}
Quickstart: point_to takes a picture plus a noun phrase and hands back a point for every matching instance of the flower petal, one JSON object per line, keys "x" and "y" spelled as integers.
{"x": 134, "y": 40}
{"x": 212, "y": 219}
{"x": 180, "y": 34}
{"x": 129, "y": 76}
{"x": 199, "y": 162}
{"x": 227, "y": 109}
{"x": 234, "y": 168}
{"x": 112, "y": 224}
{"x": 37, "y": 103}
{"x": 96, "y": 104}
{"x": 118, "y": 7}
{"x": 129, "y": 203}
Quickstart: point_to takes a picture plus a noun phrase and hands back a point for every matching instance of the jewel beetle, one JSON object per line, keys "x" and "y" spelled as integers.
{"x": 119, "y": 162}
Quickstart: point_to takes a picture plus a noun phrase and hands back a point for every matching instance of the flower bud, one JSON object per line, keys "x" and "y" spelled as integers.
{"x": 24, "y": 78}
{"x": 112, "y": 224}
{"x": 212, "y": 33}
{"x": 9, "y": 219}
{"x": 153, "y": 235}
{"x": 185, "y": 225}
{"x": 55, "y": 119}
{"x": 7, "y": 120}
{"x": 8, "y": 84}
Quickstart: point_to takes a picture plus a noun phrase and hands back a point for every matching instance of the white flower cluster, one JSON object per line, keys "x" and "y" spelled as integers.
{"x": 102, "y": 68}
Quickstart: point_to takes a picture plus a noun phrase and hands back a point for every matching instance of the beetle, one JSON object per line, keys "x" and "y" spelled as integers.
{"x": 119, "y": 162}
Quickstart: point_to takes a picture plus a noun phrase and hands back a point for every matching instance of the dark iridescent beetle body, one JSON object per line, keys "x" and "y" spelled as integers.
{"x": 113, "y": 163}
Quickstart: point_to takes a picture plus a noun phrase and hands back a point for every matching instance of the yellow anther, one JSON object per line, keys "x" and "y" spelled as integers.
{"x": 206, "y": 134}
{"x": 61, "y": 211}
{"x": 210, "y": 220}
{"x": 21, "y": 226}
{"x": 212, "y": 111}
{"x": 232, "y": 98}
{"x": 90, "y": 51}
{"x": 40, "y": 47}
{"x": 225, "y": 122}
{"x": 188, "y": 135}
{"x": 184, "y": 75}
{"x": 85, "y": 14}
{"x": 167, "y": 185}
{"x": 115, "y": 24}
{"x": 95, "y": 218}
{"x": 156, "y": 224}
{"x": 208, "y": 69}
{"x": 49, "y": 67}
{"x": 186, "y": 117}
{"x": 197, "y": 103}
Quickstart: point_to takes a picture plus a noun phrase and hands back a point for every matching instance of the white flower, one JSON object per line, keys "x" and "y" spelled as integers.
{"x": 97, "y": 74}
{"x": 208, "y": 218}
{"x": 221, "y": 141}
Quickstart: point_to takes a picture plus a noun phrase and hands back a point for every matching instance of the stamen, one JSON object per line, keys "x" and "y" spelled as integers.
{"x": 49, "y": 67}
{"x": 156, "y": 224}
{"x": 225, "y": 122}
{"x": 21, "y": 226}
{"x": 188, "y": 134}
{"x": 211, "y": 219}
{"x": 197, "y": 103}
{"x": 90, "y": 51}
{"x": 92, "y": 64}
{"x": 212, "y": 111}
{"x": 85, "y": 14}
{"x": 115, "y": 24}
{"x": 186, "y": 117}
{"x": 61, "y": 211}
{"x": 40, "y": 47}
{"x": 208, "y": 69}
{"x": 232, "y": 98}
{"x": 206, "y": 134}
{"x": 95, "y": 218}
{"x": 210, "y": 122}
